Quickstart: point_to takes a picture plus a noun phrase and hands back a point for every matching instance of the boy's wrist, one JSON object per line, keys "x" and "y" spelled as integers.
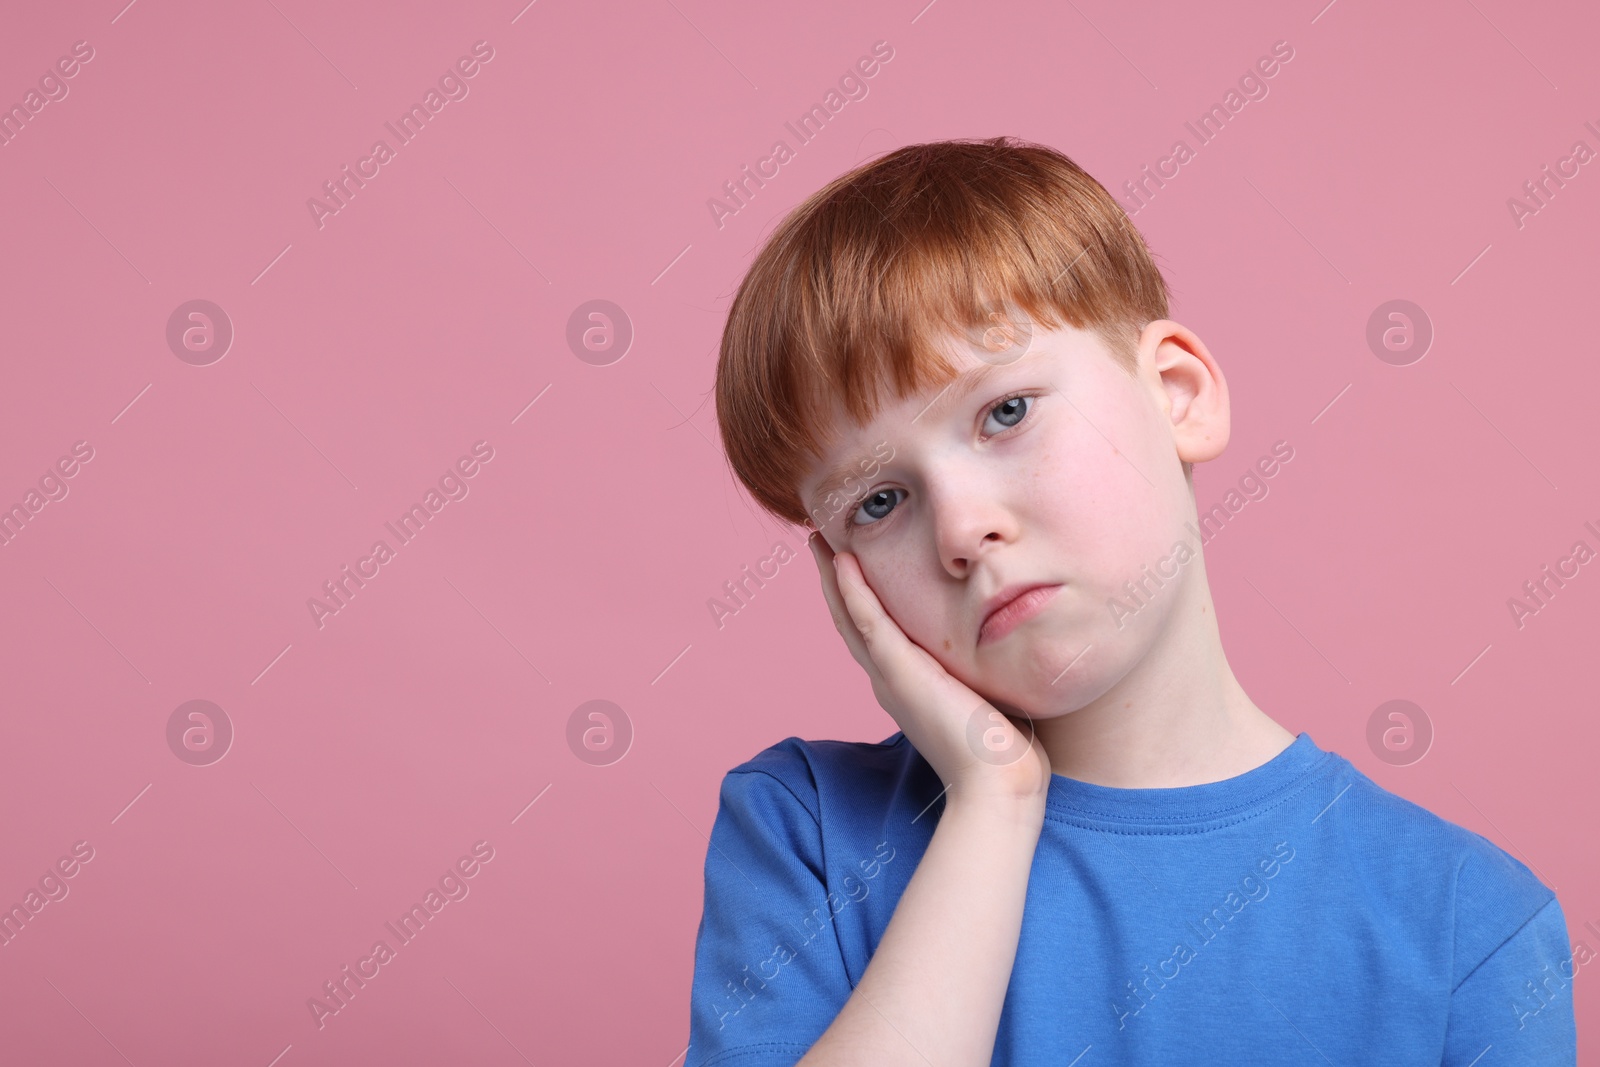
{"x": 995, "y": 806}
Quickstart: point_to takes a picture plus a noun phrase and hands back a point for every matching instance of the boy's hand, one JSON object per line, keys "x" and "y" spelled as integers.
{"x": 970, "y": 744}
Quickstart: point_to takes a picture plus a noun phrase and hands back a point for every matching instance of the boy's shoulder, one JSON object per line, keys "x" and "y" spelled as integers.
{"x": 1488, "y": 893}
{"x": 793, "y": 752}
{"x": 1427, "y": 834}
{"x": 827, "y": 776}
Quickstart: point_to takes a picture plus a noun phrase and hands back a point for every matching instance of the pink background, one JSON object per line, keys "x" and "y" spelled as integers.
{"x": 369, "y": 354}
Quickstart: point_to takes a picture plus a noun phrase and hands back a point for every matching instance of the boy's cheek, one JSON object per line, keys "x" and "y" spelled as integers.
{"x": 939, "y": 630}
{"x": 1121, "y": 526}
{"x": 898, "y": 590}
{"x": 910, "y": 599}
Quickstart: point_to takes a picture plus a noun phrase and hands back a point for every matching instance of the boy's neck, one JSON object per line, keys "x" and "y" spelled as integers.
{"x": 1178, "y": 718}
{"x": 1161, "y": 746}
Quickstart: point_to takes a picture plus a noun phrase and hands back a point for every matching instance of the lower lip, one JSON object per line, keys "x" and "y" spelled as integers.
{"x": 1016, "y": 613}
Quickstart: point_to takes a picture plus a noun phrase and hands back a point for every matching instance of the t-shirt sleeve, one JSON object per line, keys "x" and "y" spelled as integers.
{"x": 769, "y": 976}
{"x": 1518, "y": 1001}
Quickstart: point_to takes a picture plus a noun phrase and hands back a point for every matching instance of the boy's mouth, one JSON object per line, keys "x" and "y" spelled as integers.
{"x": 1012, "y": 606}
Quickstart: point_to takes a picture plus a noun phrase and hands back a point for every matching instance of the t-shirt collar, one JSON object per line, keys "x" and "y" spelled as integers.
{"x": 1192, "y": 807}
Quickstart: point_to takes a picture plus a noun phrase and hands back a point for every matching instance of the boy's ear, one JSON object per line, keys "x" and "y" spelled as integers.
{"x": 1189, "y": 387}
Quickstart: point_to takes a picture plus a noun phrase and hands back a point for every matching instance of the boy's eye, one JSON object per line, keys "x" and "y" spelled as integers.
{"x": 880, "y": 503}
{"x": 875, "y": 506}
{"x": 1008, "y": 413}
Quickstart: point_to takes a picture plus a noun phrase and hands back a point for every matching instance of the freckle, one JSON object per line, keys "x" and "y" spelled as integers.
{"x": 947, "y": 644}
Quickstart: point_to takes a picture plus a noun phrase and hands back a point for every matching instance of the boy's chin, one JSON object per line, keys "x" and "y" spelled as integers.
{"x": 1017, "y": 705}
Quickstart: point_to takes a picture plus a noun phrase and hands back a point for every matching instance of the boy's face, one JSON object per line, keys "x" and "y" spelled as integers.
{"x": 1055, "y": 469}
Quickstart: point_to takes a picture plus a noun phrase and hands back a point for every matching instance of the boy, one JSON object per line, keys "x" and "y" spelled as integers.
{"x": 1085, "y": 845}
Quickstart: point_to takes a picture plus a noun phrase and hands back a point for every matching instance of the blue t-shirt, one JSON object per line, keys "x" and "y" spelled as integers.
{"x": 1295, "y": 914}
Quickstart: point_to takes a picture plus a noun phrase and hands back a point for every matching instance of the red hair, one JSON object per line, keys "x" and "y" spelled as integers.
{"x": 855, "y": 290}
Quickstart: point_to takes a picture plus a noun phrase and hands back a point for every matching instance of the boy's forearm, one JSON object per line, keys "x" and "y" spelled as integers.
{"x": 933, "y": 991}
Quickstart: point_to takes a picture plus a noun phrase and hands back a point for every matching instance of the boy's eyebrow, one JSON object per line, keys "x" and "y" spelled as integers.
{"x": 963, "y": 384}
{"x": 834, "y": 481}
{"x": 958, "y": 387}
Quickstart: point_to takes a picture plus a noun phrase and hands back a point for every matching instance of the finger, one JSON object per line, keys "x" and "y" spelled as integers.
{"x": 842, "y": 621}
{"x": 907, "y": 667}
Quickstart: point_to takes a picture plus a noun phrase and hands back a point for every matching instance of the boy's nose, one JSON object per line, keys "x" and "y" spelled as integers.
{"x": 967, "y": 533}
